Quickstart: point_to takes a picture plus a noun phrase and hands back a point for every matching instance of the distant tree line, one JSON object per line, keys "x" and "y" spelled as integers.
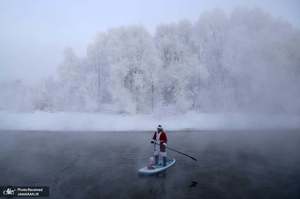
{"x": 243, "y": 61}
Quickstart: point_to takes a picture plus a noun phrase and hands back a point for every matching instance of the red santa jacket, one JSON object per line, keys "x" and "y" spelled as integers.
{"x": 162, "y": 137}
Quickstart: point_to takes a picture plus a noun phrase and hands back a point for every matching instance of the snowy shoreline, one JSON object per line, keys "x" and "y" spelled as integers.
{"x": 113, "y": 122}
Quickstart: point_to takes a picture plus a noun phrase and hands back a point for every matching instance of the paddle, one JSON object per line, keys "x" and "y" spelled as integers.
{"x": 171, "y": 149}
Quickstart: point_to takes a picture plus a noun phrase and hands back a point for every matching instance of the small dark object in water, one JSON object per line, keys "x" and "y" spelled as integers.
{"x": 193, "y": 184}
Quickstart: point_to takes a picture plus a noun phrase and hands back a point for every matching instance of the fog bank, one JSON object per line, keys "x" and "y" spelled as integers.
{"x": 244, "y": 61}
{"x": 113, "y": 122}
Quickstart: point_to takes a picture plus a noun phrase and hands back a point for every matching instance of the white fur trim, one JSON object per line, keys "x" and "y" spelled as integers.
{"x": 158, "y": 137}
{"x": 157, "y": 147}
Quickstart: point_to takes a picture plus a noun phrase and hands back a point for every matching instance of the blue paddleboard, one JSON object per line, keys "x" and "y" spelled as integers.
{"x": 156, "y": 168}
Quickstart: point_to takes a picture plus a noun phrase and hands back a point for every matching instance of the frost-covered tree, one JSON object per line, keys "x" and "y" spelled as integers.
{"x": 125, "y": 60}
{"x": 210, "y": 34}
{"x": 98, "y": 70}
{"x": 179, "y": 61}
{"x": 72, "y": 81}
{"x": 16, "y": 96}
{"x": 246, "y": 60}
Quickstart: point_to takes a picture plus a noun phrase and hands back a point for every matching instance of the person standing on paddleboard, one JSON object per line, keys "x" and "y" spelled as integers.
{"x": 160, "y": 139}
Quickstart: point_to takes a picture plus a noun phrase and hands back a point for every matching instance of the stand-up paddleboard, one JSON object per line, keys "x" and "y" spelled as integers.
{"x": 156, "y": 168}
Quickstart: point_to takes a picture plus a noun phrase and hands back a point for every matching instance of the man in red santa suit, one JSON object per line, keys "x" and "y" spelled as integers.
{"x": 160, "y": 138}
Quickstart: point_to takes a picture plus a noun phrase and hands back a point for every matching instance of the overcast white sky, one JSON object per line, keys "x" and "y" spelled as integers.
{"x": 34, "y": 33}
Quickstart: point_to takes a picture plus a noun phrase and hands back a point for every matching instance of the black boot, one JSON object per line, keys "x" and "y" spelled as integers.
{"x": 164, "y": 161}
{"x": 156, "y": 159}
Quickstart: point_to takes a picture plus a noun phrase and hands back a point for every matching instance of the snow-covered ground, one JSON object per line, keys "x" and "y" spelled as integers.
{"x": 113, "y": 122}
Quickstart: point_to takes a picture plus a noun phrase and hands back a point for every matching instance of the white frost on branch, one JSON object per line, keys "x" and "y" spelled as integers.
{"x": 246, "y": 61}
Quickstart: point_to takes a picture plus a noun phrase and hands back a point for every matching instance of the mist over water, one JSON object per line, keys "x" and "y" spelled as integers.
{"x": 231, "y": 164}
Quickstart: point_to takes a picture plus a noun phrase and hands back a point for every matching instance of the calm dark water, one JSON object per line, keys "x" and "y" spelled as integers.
{"x": 231, "y": 164}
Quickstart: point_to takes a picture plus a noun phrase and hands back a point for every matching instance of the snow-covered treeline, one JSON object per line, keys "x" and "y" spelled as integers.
{"x": 243, "y": 61}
